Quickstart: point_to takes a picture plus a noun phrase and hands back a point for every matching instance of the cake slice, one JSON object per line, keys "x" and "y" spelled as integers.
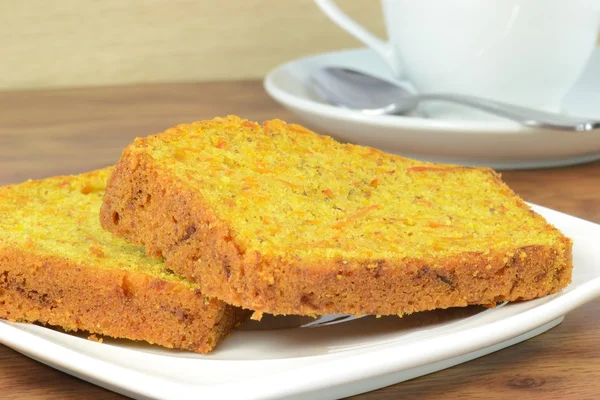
{"x": 280, "y": 220}
{"x": 59, "y": 267}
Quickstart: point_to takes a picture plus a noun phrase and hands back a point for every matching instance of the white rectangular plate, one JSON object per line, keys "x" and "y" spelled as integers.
{"x": 279, "y": 358}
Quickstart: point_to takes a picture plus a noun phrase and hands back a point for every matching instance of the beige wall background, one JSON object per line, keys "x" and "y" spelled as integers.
{"x": 65, "y": 43}
{"x": 70, "y": 43}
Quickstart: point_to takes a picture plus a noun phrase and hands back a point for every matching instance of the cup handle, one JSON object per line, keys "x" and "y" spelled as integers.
{"x": 385, "y": 50}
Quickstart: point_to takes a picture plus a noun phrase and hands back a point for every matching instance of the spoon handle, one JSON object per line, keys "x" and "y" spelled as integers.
{"x": 526, "y": 116}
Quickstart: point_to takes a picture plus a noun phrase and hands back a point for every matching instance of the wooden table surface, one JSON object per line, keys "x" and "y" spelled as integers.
{"x": 43, "y": 133}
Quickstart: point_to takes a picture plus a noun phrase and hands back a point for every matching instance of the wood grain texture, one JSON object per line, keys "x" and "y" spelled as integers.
{"x": 88, "y": 42}
{"x": 43, "y": 133}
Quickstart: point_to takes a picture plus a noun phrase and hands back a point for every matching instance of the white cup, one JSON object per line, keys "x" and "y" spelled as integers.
{"x": 525, "y": 52}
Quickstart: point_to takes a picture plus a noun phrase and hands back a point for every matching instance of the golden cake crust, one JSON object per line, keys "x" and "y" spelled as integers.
{"x": 87, "y": 288}
{"x": 148, "y": 204}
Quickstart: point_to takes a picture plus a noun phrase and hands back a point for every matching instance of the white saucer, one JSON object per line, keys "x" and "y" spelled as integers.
{"x": 495, "y": 143}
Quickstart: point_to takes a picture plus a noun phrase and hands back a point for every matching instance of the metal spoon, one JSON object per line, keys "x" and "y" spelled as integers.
{"x": 374, "y": 96}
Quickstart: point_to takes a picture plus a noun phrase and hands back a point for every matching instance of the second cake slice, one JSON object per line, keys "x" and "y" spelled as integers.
{"x": 58, "y": 267}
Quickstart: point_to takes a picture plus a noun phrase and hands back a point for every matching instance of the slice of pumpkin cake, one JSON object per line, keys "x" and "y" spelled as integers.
{"x": 59, "y": 267}
{"x": 278, "y": 219}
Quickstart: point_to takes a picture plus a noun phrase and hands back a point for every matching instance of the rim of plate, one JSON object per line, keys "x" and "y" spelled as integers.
{"x": 390, "y": 121}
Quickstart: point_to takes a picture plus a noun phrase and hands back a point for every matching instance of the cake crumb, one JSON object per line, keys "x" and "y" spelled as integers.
{"x": 256, "y": 316}
{"x": 95, "y": 338}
